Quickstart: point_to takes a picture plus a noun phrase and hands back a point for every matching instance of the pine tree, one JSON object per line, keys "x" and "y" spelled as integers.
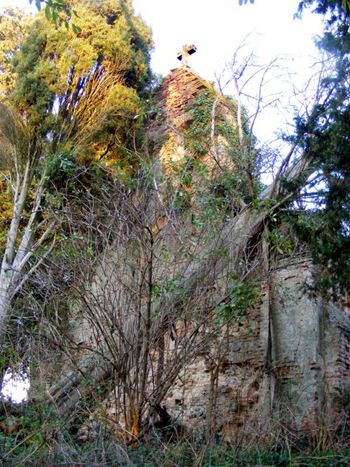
{"x": 325, "y": 141}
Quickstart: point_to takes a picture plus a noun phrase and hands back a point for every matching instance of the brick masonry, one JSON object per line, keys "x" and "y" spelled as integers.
{"x": 288, "y": 356}
{"x": 309, "y": 359}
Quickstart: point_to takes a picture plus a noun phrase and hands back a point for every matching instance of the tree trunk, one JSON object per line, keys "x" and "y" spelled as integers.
{"x": 20, "y": 245}
{"x": 6, "y": 278}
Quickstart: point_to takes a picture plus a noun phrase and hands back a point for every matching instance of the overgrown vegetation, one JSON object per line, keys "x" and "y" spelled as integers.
{"x": 118, "y": 275}
{"x": 34, "y": 435}
{"x": 324, "y": 137}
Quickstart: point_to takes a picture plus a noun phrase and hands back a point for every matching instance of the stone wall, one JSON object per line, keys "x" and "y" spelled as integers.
{"x": 286, "y": 358}
{"x": 177, "y": 93}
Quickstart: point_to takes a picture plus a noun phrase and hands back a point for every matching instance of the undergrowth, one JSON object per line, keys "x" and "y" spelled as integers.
{"x": 63, "y": 449}
{"x": 35, "y": 435}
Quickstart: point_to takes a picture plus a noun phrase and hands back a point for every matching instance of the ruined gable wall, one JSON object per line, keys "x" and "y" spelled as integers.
{"x": 289, "y": 355}
{"x": 175, "y": 96}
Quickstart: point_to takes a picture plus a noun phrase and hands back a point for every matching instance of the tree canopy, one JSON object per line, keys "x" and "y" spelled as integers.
{"x": 325, "y": 140}
{"x": 68, "y": 97}
{"x": 81, "y": 90}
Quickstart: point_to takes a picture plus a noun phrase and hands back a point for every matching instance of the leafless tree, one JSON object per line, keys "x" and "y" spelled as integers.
{"x": 22, "y": 154}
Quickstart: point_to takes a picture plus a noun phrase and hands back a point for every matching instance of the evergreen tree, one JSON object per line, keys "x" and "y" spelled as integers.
{"x": 12, "y": 32}
{"x": 325, "y": 141}
{"x": 83, "y": 87}
{"x": 70, "y": 98}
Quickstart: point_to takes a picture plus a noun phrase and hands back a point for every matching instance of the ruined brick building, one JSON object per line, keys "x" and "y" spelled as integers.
{"x": 288, "y": 356}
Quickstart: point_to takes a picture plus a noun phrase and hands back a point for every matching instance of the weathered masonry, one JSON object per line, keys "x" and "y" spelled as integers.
{"x": 309, "y": 361}
{"x": 285, "y": 358}
{"x": 289, "y": 356}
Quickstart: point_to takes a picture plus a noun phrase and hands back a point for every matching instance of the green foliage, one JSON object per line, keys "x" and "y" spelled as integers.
{"x": 32, "y": 425}
{"x": 58, "y": 444}
{"x": 342, "y": 399}
{"x": 280, "y": 241}
{"x": 330, "y": 248}
{"x": 12, "y": 32}
{"x": 59, "y": 12}
{"x": 210, "y": 191}
{"x": 236, "y": 171}
{"x": 198, "y": 136}
{"x": 41, "y": 438}
{"x": 324, "y": 137}
{"x": 196, "y": 452}
{"x": 244, "y": 295}
{"x": 81, "y": 88}
{"x": 335, "y": 7}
